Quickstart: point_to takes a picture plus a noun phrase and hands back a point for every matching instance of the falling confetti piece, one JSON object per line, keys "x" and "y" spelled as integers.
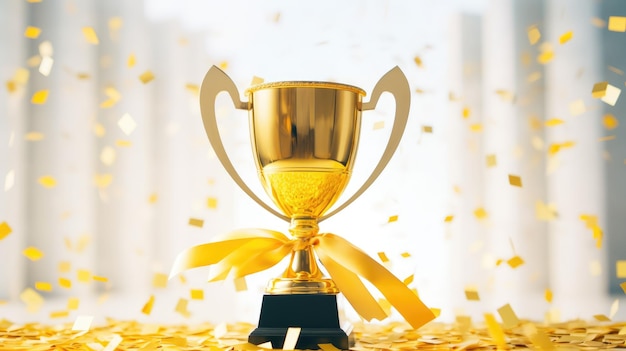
{"x": 495, "y": 330}
{"x": 538, "y": 337}
{"x": 601, "y": 318}
{"x": 147, "y": 307}
{"x": 515, "y": 262}
{"x": 616, "y": 70}
{"x": 100, "y": 278}
{"x": 73, "y": 303}
{"x": 325, "y": 347}
{"x": 196, "y": 222}
{"x": 515, "y": 180}
{"x": 193, "y": 88}
{"x": 548, "y": 295}
{"x": 466, "y": 112}
{"x": 607, "y": 138}
{"x": 392, "y": 219}
{"x": 113, "y": 343}
{"x": 108, "y": 155}
{"x": 617, "y": 24}
{"x": 623, "y": 286}
{"x": 545, "y": 57}
{"x": 533, "y": 35}
{"x": 405, "y": 254}
{"x": 491, "y": 160}
{"x": 408, "y": 280}
{"x": 123, "y": 143}
{"x": 65, "y": 267}
{"x": 223, "y": 65}
{"x": 545, "y": 212}
{"x": 427, "y": 129}
{"x": 131, "y": 61}
{"x": 476, "y": 127}
{"x": 5, "y": 230}
{"x": 471, "y": 294}
{"x": 65, "y": 283}
{"x": 241, "y": 284}
{"x": 509, "y": 318}
{"x": 610, "y": 122}
{"x": 90, "y": 35}
{"x": 553, "y": 122}
{"x": 83, "y": 275}
{"x": 553, "y": 149}
{"x": 533, "y": 77}
{"x": 181, "y": 307}
{"x": 606, "y": 92}
{"x": 480, "y": 213}
{"x": 32, "y": 253}
{"x": 418, "y": 62}
{"x": 448, "y": 218}
{"x": 565, "y": 37}
{"x": 577, "y": 107}
{"x": 82, "y": 323}
{"x": 32, "y": 299}
{"x": 34, "y": 136}
{"x": 614, "y": 308}
{"x": 153, "y": 198}
{"x": 383, "y": 257}
{"x": 291, "y": 338}
{"x": 197, "y": 294}
{"x": 159, "y": 280}
{"x": 99, "y": 130}
{"x": 102, "y": 180}
{"x": 32, "y": 32}
{"x": 146, "y": 77}
{"x": 46, "y": 65}
{"x": 620, "y": 268}
{"x": 211, "y": 203}
{"x": 59, "y": 314}
{"x": 39, "y": 97}
{"x": 378, "y": 125}
{"x": 43, "y": 286}
{"x": 127, "y": 124}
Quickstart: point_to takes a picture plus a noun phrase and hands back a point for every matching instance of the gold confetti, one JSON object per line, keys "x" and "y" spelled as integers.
{"x": 548, "y": 295}
{"x": 193, "y": 88}
{"x": 39, "y": 97}
{"x": 82, "y": 323}
{"x": 577, "y": 107}
{"x": 610, "y": 122}
{"x": 614, "y": 308}
{"x": 466, "y": 112}
{"x": 211, "y": 203}
{"x": 601, "y": 318}
{"x": 131, "y": 61}
{"x": 9, "y": 181}
{"x": 90, "y": 35}
{"x": 43, "y": 286}
{"x": 196, "y": 222}
{"x": 595, "y": 268}
{"x": 565, "y": 37}
{"x": 545, "y": 57}
{"x": 471, "y": 294}
{"x": 598, "y": 22}
{"x": 533, "y": 77}
{"x": 113, "y": 343}
{"x": 606, "y": 92}
{"x": 476, "y": 127}
{"x": 146, "y": 77}
{"x": 223, "y": 65}
{"x": 383, "y": 257}
{"x": 256, "y": 80}
{"x": 448, "y": 218}
{"x": 491, "y": 160}
{"x": 538, "y": 337}
{"x": 65, "y": 266}
{"x": 127, "y": 124}
{"x": 123, "y": 143}
{"x": 327, "y": 347}
{"x": 5, "y": 230}
{"x": 616, "y": 70}
{"x": 623, "y": 286}
{"x": 553, "y": 149}
{"x": 427, "y": 129}
{"x": 480, "y": 213}
{"x": 159, "y": 280}
{"x": 392, "y": 219}
{"x": 607, "y": 138}
{"x": 545, "y": 212}
{"x": 107, "y": 156}
{"x": 509, "y": 318}
{"x": 153, "y": 198}
{"x": 533, "y": 35}
{"x": 83, "y": 275}
{"x": 181, "y": 307}
{"x": 378, "y": 125}
{"x": 34, "y": 136}
{"x": 418, "y": 62}
{"x": 32, "y": 32}
{"x": 515, "y": 180}
{"x": 553, "y": 122}
{"x": 59, "y": 314}
{"x": 65, "y": 283}
{"x": 46, "y": 65}
{"x": 408, "y": 280}
{"x": 617, "y": 24}
{"x": 99, "y": 130}
{"x": 147, "y": 307}
{"x": 33, "y": 61}
{"x": 99, "y": 278}
{"x": 197, "y": 294}
{"x": 291, "y": 338}
{"x": 102, "y": 180}
{"x": 73, "y": 303}
{"x": 32, "y": 299}
{"x": 620, "y": 268}
{"x": 115, "y": 23}
{"x": 240, "y": 284}
{"x": 32, "y": 253}
{"x": 515, "y": 262}
{"x": 405, "y": 254}
{"x": 495, "y": 331}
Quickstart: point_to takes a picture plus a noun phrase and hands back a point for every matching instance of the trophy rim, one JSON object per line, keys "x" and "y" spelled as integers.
{"x": 305, "y": 84}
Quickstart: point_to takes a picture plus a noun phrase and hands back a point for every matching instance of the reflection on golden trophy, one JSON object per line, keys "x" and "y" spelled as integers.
{"x": 304, "y": 138}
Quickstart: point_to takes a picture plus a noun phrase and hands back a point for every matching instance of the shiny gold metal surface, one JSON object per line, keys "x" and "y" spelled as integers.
{"x": 304, "y": 138}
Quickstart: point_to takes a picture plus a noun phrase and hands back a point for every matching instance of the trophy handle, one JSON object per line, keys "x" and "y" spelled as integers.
{"x": 216, "y": 81}
{"x": 394, "y": 82}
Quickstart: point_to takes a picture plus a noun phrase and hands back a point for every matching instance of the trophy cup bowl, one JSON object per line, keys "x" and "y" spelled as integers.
{"x": 304, "y": 138}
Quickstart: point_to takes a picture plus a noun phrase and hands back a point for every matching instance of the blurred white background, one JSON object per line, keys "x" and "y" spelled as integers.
{"x": 498, "y": 90}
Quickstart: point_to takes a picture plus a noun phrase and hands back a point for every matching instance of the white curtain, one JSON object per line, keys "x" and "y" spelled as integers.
{"x": 133, "y": 169}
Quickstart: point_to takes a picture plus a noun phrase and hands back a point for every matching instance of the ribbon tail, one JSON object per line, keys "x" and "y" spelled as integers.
{"x": 399, "y": 295}
{"x": 205, "y": 254}
{"x": 353, "y": 289}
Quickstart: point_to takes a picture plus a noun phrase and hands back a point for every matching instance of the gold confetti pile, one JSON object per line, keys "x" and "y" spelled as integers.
{"x": 512, "y": 334}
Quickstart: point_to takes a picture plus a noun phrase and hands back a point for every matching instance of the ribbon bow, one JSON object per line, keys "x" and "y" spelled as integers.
{"x": 248, "y": 251}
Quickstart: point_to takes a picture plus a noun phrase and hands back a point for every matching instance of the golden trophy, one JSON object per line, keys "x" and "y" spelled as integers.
{"x": 304, "y": 138}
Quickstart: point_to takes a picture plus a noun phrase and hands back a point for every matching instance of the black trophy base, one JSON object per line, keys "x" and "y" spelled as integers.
{"x": 316, "y": 315}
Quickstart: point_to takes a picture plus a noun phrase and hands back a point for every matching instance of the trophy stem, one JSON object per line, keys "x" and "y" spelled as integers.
{"x": 303, "y": 275}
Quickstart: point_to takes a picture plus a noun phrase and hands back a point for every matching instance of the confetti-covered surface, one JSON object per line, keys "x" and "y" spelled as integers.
{"x": 462, "y": 335}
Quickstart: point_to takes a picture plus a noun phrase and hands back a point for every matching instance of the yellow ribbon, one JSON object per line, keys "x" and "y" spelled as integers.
{"x": 248, "y": 251}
